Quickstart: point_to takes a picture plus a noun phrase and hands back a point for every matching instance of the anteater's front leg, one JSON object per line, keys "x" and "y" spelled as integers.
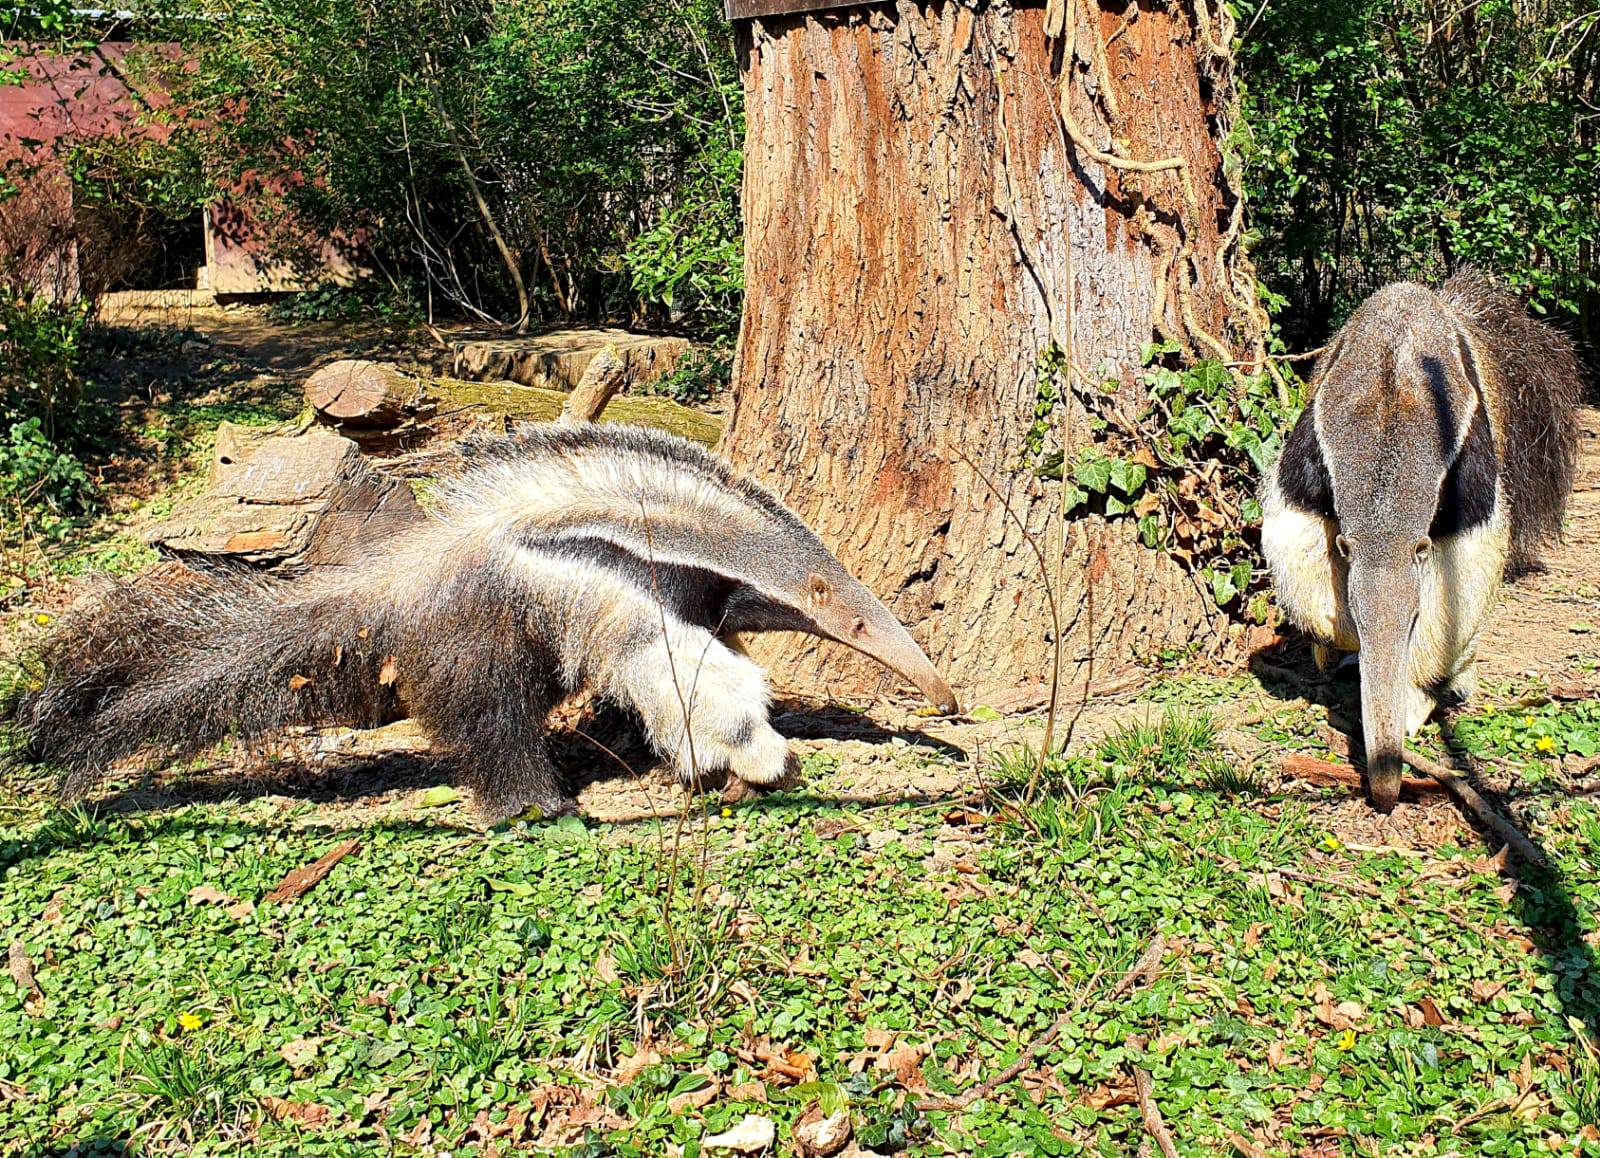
{"x": 704, "y": 705}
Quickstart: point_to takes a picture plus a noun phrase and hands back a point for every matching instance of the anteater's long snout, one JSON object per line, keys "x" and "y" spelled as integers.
{"x": 866, "y": 625}
{"x": 1384, "y": 600}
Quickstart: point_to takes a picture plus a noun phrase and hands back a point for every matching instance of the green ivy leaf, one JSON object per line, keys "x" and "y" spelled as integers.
{"x": 1093, "y": 472}
{"x": 1223, "y": 589}
{"x": 1127, "y": 476}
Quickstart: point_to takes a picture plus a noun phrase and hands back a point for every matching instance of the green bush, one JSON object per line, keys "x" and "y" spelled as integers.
{"x": 43, "y": 415}
{"x": 40, "y": 346}
{"x": 590, "y": 146}
{"x": 1405, "y": 138}
{"x": 692, "y": 259}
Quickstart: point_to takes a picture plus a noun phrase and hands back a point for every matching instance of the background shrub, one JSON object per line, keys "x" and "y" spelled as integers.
{"x": 1404, "y": 138}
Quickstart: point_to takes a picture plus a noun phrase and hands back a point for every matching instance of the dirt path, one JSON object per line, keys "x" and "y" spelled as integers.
{"x": 1548, "y": 626}
{"x": 251, "y": 334}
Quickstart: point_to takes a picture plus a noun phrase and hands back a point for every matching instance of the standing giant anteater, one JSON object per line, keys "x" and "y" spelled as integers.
{"x": 1437, "y": 452}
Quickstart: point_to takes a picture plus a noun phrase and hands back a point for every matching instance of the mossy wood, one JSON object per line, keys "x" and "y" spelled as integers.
{"x": 535, "y": 404}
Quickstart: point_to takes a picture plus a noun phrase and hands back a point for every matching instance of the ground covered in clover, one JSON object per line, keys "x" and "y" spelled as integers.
{"x": 855, "y": 952}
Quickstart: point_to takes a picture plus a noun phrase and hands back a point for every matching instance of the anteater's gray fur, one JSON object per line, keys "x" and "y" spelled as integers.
{"x": 1436, "y": 455}
{"x": 605, "y": 557}
{"x": 1539, "y": 381}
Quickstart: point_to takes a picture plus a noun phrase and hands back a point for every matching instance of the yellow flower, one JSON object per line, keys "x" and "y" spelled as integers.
{"x": 1346, "y": 1041}
{"x": 1330, "y": 843}
{"x": 190, "y": 1021}
{"x": 1545, "y": 744}
{"x": 1527, "y": 721}
{"x": 727, "y": 812}
{"x": 41, "y": 619}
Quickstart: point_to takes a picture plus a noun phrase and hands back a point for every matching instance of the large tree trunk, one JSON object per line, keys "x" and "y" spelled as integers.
{"x": 922, "y": 223}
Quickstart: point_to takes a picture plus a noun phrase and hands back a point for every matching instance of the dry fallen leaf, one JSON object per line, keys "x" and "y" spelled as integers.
{"x": 751, "y": 1136}
{"x": 1486, "y": 990}
{"x": 905, "y": 1062}
{"x": 240, "y": 911}
{"x": 636, "y": 1063}
{"x": 300, "y": 880}
{"x": 299, "y": 1053}
{"x": 296, "y": 682}
{"x": 1430, "y": 1012}
{"x": 819, "y": 1137}
{"x": 22, "y": 974}
{"x": 694, "y": 1099}
{"x": 306, "y": 1113}
{"x": 748, "y": 1092}
{"x": 206, "y": 895}
{"x": 1107, "y": 1097}
{"x": 389, "y": 672}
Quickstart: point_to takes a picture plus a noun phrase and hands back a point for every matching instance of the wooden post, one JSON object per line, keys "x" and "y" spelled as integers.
{"x": 606, "y": 373}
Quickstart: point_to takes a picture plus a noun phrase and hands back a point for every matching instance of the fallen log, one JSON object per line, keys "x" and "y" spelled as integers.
{"x": 360, "y": 393}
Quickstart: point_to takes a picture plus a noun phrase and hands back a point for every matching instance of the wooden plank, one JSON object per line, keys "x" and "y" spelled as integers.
{"x": 749, "y": 9}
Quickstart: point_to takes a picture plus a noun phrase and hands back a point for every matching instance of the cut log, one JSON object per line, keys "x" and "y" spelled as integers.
{"x": 558, "y": 360}
{"x": 606, "y": 373}
{"x": 308, "y": 499}
{"x": 362, "y": 393}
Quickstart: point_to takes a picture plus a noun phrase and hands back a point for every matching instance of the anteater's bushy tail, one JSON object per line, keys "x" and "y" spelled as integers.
{"x": 182, "y": 659}
{"x": 1540, "y": 386}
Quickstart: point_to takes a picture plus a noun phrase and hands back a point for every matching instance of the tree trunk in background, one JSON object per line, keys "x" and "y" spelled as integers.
{"x": 921, "y": 224}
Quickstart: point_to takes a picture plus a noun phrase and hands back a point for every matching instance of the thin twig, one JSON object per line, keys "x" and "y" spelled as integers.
{"x": 1143, "y": 968}
{"x": 1055, "y": 616}
{"x": 1144, "y": 1085}
{"x": 1468, "y": 795}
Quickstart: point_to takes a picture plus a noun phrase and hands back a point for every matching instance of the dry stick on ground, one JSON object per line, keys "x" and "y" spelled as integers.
{"x": 1327, "y": 774}
{"x": 1464, "y": 793}
{"x": 1468, "y": 795}
{"x": 300, "y": 880}
{"x": 1144, "y": 1085}
{"x": 1143, "y": 968}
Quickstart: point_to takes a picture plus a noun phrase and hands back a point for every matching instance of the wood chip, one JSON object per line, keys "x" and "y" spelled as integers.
{"x": 302, "y": 879}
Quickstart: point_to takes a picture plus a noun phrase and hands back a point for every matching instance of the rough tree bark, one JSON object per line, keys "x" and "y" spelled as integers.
{"x": 936, "y": 195}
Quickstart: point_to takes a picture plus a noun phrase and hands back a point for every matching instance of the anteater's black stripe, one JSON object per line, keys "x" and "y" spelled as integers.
{"x": 1466, "y": 497}
{"x": 1303, "y": 478}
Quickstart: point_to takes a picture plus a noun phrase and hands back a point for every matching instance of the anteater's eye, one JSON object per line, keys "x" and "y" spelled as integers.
{"x": 858, "y": 627}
